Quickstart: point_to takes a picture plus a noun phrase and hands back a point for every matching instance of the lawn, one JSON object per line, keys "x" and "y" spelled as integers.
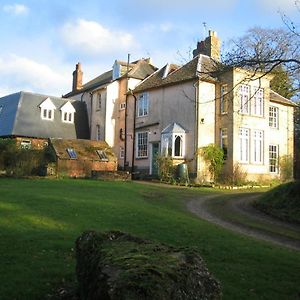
{"x": 40, "y": 220}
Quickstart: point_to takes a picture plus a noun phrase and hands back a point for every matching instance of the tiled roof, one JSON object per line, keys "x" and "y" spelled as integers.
{"x": 85, "y": 149}
{"x": 201, "y": 66}
{"x": 275, "y": 97}
{"x": 21, "y": 116}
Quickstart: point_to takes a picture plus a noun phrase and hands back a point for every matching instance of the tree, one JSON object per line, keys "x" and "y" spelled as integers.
{"x": 267, "y": 50}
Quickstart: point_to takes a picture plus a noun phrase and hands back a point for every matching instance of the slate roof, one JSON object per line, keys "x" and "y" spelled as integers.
{"x": 201, "y": 66}
{"x": 85, "y": 149}
{"x": 21, "y": 116}
{"x": 275, "y": 97}
{"x": 174, "y": 128}
{"x": 138, "y": 70}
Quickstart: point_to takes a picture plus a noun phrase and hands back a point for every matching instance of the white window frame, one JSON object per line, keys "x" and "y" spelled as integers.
{"x": 142, "y": 145}
{"x": 67, "y": 117}
{"x": 143, "y": 105}
{"x": 245, "y": 99}
{"x": 258, "y": 102}
{"x": 224, "y": 99}
{"x": 168, "y": 144}
{"x": 122, "y": 153}
{"x": 47, "y": 114}
{"x": 273, "y": 158}
{"x": 244, "y": 144}
{"x": 274, "y": 117}
{"x": 26, "y": 144}
{"x": 258, "y": 146}
{"x": 223, "y": 138}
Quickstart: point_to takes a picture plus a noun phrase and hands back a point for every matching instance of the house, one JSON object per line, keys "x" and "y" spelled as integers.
{"x": 80, "y": 158}
{"x": 106, "y": 98}
{"x": 33, "y": 118}
{"x": 176, "y": 111}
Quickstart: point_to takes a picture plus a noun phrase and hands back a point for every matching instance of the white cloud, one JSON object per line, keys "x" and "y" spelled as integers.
{"x": 16, "y": 9}
{"x": 287, "y": 6}
{"x": 21, "y": 73}
{"x": 92, "y": 37}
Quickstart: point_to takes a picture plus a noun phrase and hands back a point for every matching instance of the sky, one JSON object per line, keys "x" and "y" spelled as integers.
{"x": 42, "y": 40}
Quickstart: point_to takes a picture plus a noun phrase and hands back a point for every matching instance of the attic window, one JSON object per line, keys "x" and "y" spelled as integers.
{"x": 47, "y": 109}
{"x": 67, "y": 113}
{"x": 102, "y": 155}
{"x": 72, "y": 153}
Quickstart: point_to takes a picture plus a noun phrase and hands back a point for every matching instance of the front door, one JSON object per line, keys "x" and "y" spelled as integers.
{"x": 154, "y": 168}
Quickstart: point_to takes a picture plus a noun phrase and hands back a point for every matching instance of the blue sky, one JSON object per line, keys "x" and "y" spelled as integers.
{"x": 42, "y": 40}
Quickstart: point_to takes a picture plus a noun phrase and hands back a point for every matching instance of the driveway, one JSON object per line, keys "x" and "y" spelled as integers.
{"x": 258, "y": 224}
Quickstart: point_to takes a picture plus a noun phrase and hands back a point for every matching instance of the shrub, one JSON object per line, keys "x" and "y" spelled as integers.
{"x": 286, "y": 166}
{"x": 214, "y": 156}
{"x": 166, "y": 169}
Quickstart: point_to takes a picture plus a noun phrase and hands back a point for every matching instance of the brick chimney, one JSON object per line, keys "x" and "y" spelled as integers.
{"x": 77, "y": 78}
{"x": 211, "y": 46}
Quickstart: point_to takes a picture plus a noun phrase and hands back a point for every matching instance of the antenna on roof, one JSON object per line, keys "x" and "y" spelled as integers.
{"x": 204, "y": 30}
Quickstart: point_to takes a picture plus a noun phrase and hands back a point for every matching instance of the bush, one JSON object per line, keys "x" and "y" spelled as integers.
{"x": 286, "y": 166}
{"x": 115, "y": 265}
{"x": 166, "y": 169}
{"x": 214, "y": 156}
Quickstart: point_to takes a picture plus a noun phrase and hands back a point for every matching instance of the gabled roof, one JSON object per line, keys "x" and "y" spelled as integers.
{"x": 139, "y": 69}
{"x": 21, "y": 116}
{"x": 275, "y": 97}
{"x": 201, "y": 66}
{"x": 84, "y": 149}
{"x": 173, "y": 128}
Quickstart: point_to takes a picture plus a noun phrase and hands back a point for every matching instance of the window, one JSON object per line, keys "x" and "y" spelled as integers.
{"x": 47, "y": 109}
{"x": 258, "y": 102}
{"x": 122, "y": 105}
{"x": 67, "y": 112}
{"x": 258, "y": 144}
{"x": 273, "y": 158}
{"x": 68, "y": 117}
{"x": 99, "y": 102}
{"x": 224, "y": 141}
{"x": 26, "y": 144}
{"x": 72, "y": 153}
{"x": 122, "y": 152}
{"x": 273, "y": 117}
{"x": 143, "y": 105}
{"x": 178, "y": 146}
{"x": 244, "y": 99}
{"x": 102, "y": 155}
{"x": 223, "y": 99}
{"x": 98, "y": 133}
{"x": 244, "y": 145}
{"x": 142, "y": 144}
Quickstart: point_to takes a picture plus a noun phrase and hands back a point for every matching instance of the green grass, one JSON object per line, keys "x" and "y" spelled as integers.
{"x": 40, "y": 220}
{"x": 282, "y": 202}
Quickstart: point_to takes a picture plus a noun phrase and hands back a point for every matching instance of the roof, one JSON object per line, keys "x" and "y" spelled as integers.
{"x": 201, "y": 66}
{"x": 174, "y": 128}
{"x": 21, "y": 116}
{"x": 139, "y": 69}
{"x": 84, "y": 149}
{"x": 275, "y": 97}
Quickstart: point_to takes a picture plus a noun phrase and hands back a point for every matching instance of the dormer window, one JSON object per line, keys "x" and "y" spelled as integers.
{"x": 47, "y": 110}
{"x": 67, "y": 113}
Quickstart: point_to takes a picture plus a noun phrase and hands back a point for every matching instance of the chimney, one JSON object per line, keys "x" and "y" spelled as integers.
{"x": 211, "y": 46}
{"x": 77, "y": 78}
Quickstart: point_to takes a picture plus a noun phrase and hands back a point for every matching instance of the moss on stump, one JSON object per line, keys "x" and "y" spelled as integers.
{"x": 116, "y": 265}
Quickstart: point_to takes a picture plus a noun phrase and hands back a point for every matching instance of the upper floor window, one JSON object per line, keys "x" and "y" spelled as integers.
{"x": 244, "y": 145}
{"x": 143, "y": 105}
{"x": 47, "y": 109}
{"x": 67, "y": 113}
{"x": 258, "y": 102}
{"x": 224, "y": 141}
{"x": 273, "y": 116}
{"x": 223, "y": 99}
{"x": 244, "y": 99}
{"x": 142, "y": 145}
{"x": 122, "y": 105}
{"x": 99, "y": 102}
{"x": 98, "y": 133}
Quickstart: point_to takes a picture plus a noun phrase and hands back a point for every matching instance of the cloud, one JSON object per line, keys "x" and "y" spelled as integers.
{"x": 22, "y": 73}
{"x": 287, "y": 6}
{"x": 16, "y": 9}
{"x": 92, "y": 37}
